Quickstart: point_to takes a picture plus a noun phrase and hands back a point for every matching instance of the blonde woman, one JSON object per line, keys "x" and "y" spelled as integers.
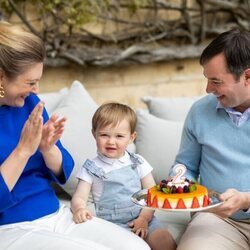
{"x": 31, "y": 157}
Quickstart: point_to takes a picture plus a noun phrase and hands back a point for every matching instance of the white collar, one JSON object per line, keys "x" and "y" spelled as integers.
{"x": 111, "y": 161}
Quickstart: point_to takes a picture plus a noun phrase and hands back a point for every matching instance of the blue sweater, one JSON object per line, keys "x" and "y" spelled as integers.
{"x": 215, "y": 149}
{"x": 32, "y": 197}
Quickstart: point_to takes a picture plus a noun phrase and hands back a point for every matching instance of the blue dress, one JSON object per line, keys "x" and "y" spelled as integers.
{"x": 32, "y": 197}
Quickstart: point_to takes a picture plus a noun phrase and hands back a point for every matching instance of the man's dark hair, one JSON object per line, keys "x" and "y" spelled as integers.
{"x": 235, "y": 45}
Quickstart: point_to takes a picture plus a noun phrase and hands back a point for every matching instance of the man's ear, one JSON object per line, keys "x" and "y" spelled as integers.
{"x": 247, "y": 76}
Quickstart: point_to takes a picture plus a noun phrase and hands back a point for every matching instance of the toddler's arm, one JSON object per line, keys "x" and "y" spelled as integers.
{"x": 79, "y": 202}
{"x": 140, "y": 225}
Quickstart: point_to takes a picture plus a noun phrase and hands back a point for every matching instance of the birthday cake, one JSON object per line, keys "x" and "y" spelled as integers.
{"x": 178, "y": 192}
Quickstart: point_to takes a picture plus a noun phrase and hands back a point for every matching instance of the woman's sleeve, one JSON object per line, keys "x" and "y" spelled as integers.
{"x": 67, "y": 165}
{"x": 6, "y": 197}
{"x": 67, "y": 160}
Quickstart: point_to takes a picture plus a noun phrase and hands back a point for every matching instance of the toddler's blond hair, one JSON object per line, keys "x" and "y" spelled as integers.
{"x": 113, "y": 113}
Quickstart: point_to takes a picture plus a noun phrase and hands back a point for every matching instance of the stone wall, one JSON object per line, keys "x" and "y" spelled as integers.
{"x": 128, "y": 84}
{"x": 125, "y": 84}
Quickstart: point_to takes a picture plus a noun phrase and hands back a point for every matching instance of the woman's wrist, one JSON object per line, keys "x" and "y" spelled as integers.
{"x": 22, "y": 153}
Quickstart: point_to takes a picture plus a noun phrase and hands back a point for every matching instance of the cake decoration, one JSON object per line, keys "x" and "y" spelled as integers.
{"x": 178, "y": 192}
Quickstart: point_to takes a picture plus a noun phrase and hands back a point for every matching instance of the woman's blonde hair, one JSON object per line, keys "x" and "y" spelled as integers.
{"x": 112, "y": 114}
{"x": 19, "y": 49}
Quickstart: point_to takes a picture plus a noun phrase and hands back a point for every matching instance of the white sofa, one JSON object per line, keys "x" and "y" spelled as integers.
{"x": 159, "y": 131}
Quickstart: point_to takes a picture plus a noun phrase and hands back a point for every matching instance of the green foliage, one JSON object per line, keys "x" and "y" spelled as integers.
{"x": 135, "y": 5}
{"x": 127, "y": 30}
{"x": 5, "y": 6}
{"x": 74, "y": 13}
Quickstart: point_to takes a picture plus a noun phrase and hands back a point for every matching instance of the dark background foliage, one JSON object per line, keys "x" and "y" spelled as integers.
{"x": 133, "y": 31}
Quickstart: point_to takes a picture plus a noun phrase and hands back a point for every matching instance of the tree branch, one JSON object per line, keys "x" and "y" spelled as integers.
{"x": 152, "y": 32}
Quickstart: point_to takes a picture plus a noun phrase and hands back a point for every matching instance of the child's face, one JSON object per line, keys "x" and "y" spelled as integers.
{"x": 112, "y": 141}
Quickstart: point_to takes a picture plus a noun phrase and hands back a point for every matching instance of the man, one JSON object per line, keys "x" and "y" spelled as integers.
{"x": 215, "y": 145}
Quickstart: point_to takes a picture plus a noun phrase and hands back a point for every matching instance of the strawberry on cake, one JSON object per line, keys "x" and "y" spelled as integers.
{"x": 178, "y": 192}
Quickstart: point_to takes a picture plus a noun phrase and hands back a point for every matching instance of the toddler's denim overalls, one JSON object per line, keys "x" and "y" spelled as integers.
{"x": 115, "y": 203}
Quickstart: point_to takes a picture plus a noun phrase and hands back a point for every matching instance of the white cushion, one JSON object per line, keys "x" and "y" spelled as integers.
{"x": 174, "y": 109}
{"x": 158, "y": 142}
{"x": 53, "y": 99}
{"x": 79, "y": 107}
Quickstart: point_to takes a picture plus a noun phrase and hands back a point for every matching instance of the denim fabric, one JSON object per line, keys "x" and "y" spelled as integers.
{"x": 115, "y": 203}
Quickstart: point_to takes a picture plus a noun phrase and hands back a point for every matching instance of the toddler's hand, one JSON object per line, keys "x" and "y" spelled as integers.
{"x": 81, "y": 215}
{"x": 139, "y": 226}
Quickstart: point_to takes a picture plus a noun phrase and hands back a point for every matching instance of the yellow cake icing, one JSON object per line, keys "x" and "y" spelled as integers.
{"x": 195, "y": 199}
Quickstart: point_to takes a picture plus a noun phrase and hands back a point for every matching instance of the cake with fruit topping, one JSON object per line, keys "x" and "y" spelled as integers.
{"x": 178, "y": 192}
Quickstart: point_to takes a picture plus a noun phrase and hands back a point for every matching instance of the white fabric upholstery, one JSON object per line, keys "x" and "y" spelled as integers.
{"x": 78, "y": 107}
{"x": 158, "y": 141}
{"x": 53, "y": 99}
{"x": 173, "y": 109}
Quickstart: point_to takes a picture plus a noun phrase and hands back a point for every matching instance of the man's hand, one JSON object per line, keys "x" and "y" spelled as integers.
{"x": 233, "y": 201}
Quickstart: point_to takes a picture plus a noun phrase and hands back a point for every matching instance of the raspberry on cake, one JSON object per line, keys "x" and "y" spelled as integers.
{"x": 178, "y": 192}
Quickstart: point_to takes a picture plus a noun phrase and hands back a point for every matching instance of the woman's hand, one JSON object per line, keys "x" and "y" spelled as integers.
{"x": 30, "y": 138}
{"x": 32, "y": 131}
{"x": 52, "y": 132}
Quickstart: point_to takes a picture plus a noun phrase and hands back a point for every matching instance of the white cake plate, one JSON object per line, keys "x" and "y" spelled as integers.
{"x": 140, "y": 199}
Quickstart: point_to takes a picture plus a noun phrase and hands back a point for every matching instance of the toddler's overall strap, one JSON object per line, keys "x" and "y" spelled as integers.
{"x": 136, "y": 160}
{"x": 92, "y": 169}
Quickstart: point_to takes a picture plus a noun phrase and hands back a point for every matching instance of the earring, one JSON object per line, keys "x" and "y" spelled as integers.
{"x": 2, "y": 94}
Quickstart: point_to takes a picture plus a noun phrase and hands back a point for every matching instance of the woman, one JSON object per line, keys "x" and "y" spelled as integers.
{"x": 31, "y": 157}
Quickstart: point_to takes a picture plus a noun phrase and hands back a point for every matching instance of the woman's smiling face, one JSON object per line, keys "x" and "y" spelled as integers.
{"x": 16, "y": 90}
